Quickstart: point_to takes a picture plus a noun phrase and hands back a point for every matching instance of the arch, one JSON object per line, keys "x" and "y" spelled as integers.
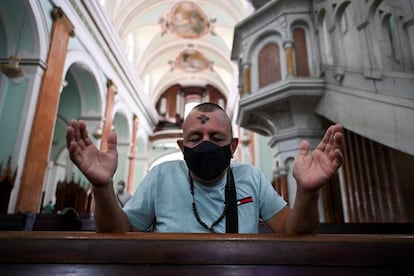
{"x": 340, "y": 12}
{"x": 259, "y": 41}
{"x": 92, "y": 84}
{"x": 348, "y": 36}
{"x": 253, "y": 52}
{"x": 123, "y": 127}
{"x": 123, "y": 123}
{"x": 389, "y": 41}
{"x": 25, "y": 30}
{"x": 324, "y": 38}
{"x": 196, "y": 80}
{"x": 81, "y": 97}
{"x": 373, "y": 7}
{"x": 41, "y": 38}
{"x": 74, "y": 104}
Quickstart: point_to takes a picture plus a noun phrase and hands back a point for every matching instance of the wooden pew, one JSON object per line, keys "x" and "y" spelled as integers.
{"x": 17, "y": 222}
{"x": 87, "y": 253}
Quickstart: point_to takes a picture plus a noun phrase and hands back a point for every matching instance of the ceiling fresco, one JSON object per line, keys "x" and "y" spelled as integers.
{"x": 186, "y": 43}
{"x": 187, "y": 20}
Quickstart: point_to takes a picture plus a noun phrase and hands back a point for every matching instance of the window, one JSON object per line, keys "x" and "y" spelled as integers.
{"x": 327, "y": 55}
{"x": 392, "y": 35}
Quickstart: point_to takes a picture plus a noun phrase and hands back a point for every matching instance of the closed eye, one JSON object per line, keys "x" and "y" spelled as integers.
{"x": 195, "y": 139}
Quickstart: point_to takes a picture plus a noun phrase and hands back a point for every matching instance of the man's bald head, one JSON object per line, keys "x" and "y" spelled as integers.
{"x": 202, "y": 114}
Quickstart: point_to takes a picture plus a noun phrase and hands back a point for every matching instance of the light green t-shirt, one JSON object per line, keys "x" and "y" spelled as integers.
{"x": 164, "y": 200}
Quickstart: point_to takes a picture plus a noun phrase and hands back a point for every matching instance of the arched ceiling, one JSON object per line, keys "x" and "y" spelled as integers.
{"x": 179, "y": 42}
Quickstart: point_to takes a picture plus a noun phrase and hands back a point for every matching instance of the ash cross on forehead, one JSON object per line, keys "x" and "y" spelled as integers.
{"x": 203, "y": 118}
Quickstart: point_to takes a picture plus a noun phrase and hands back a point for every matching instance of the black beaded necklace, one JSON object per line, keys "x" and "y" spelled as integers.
{"x": 195, "y": 211}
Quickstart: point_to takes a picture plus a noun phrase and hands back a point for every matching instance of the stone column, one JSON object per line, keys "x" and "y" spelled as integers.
{"x": 288, "y": 46}
{"x": 246, "y": 79}
{"x": 33, "y": 176}
{"x": 107, "y": 126}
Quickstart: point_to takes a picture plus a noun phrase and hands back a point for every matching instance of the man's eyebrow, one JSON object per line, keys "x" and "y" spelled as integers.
{"x": 194, "y": 132}
{"x": 214, "y": 133}
{"x": 200, "y": 133}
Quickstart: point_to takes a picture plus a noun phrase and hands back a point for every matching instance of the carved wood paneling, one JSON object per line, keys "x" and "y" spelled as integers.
{"x": 269, "y": 65}
{"x": 301, "y": 54}
{"x": 372, "y": 181}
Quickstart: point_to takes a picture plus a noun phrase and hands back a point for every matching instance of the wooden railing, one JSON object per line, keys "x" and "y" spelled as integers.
{"x": 88, "y": 253}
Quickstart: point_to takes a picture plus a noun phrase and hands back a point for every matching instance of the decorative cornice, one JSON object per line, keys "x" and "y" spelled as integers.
{"x": 59, "y": 14}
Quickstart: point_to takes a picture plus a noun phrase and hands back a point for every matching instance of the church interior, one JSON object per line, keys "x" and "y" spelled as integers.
{"x": 284, "y": 71}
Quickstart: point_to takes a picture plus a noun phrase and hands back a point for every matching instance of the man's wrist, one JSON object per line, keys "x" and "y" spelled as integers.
{"x": 103, "y": 186}
{"x": 308, "y": 195}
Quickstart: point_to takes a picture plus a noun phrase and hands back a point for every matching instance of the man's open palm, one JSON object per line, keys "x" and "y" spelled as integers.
{"x": 313, "y": 170}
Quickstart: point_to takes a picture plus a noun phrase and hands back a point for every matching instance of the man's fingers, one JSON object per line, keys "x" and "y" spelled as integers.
{"x": 69, "y": 136}
{"x": 84, "y": 133}
{"x": 112, "y": 141}
{"x": 303, "y": 148}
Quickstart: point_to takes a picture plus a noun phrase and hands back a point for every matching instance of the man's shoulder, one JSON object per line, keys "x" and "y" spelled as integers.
{"x": 172, "y": 164}
{"x": 243, "y": 169}
{"x": 164, "y": 173}
{"x": 169, "y": 167}
{"x": 242, "y": 166}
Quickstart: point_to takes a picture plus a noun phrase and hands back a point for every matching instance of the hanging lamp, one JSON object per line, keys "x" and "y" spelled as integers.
{"x": 12, "y": 68}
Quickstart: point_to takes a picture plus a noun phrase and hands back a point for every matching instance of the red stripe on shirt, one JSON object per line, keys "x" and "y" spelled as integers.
{"x": 245, "y": 200}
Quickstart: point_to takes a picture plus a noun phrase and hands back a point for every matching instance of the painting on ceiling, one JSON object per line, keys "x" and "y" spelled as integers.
{"x": 186, "y": 19}
{"x": 192, "y": 61}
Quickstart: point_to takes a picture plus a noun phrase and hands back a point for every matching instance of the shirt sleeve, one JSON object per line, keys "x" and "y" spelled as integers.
{"x": 140, "y": 208}
{"x": 271, "y": 202}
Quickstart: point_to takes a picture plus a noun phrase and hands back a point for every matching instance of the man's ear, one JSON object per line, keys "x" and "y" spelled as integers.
{"x": 180, "y": 143}
{"x": 234, "y": 143}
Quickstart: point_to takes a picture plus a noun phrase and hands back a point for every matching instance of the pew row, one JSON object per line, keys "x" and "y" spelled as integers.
{"x": 87, "y": 253}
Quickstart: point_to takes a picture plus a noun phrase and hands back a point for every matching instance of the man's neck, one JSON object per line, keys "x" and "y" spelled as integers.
{"x": 211, "y": 182}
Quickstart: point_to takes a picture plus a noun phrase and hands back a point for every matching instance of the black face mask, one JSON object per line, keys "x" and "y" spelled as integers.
{"x": 207, "y": 160}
